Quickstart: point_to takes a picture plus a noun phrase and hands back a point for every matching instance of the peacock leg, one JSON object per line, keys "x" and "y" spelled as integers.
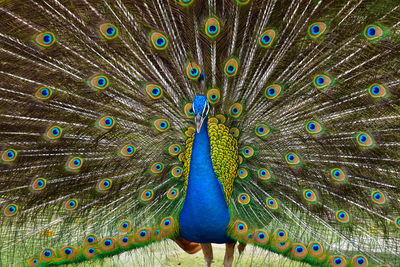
{"x": 241, "y": 248}
{"x": 207, "y": 252}
{"x": 230, "y": 249}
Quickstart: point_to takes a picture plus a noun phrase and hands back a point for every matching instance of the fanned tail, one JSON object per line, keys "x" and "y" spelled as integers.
{"x": 95, "y": 111}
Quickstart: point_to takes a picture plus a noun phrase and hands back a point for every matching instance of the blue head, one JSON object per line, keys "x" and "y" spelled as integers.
{"x": 201, "y": 107}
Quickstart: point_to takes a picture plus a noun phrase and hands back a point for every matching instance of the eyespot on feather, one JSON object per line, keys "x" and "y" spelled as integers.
{"x": 342, "y": 216}
{"x": 242, "y": 173}
{"x": 337, "y": 261}
{"x": 397, "y": 222}
{"x": 108, "y": 31}
{"x": 293, "y": 159}
{"x": 315, "y": 249}
{"x": 38, "y": 184}
{"x": 272, "y": 204}
{"x": 261, "y": 237}
{"x": 161, "y": 125}
{"x": 167, "y": 224}
{"x": 273, "y": 91}
{"x": 154, "y": 91}
{"x": 185, "y": 3}
{"x": 90, "y": 252}
{"x": 267, "y": 38}
{"x": 45, "y": 39}
{"x": 34, "y": 261}
{"x": 143, "y": 235}
{"x": 125, "y": 241}
{"x": 313, "y": 127}
{"x": 125, "y": 226}
{"x": 176, "y": 172}
{"x": 53, "y": 133}
{"x": 281, "y": 246}
{"x": 377, "y": 90}
{"x": 338, "y": 175}
{"x": 74, "y": 163}
{"x": 365, "y": 140}
{"x": 240, "y": 159}
{"x": 157, "y": 168}
{"x": 235, "y": 132}
{"x": 299, "y": 251}
{"x": 280, "y": 235}
{"x": 262, "y": 130}
{"x": 174, "y": 149}
{"x": 236, "y": 110}
{"x": 240, "y": 227}
{"x": 71, "y": 204}
{"x": 99, "y": 82}
{"x": 193, "y": 70}
{"x": 173, "y": 193}
{"x": 47, "y": 254}
{"x": 128, "y": 150}
{"x": 242, "y": 2}
{"x": 212, "y": 27}
{"x": 106, "y": 123}
{"x": 317, "y": 29}
{"x": 248, "y": 152}
{"x": 322, "y": 82}
{"x": 10, "y": 210}
{"x": 373, "y": 32}
{"x": 9, "y": 155}
{"x": 213, "y": 96}
{"x": 360, "y": 261}
{"x": 190, "y": 131}
{"x": 378, "y": 197}
{"x": 221, "y": 118}
{"x": 189, "y": 110}
{"x": 43, "y": 93}
{"x": 90, "y": 240}
{"x": 108, "y": 244}
{"x": 147, "y": 195}
{"x": 310, "y": 195}
{"x": 264, "y": 174}
{"x": 159, "y": 41}
{"x": 68, "y": 253}
{"x": 231, "y": 67}
{"x": 104, "y": 185}
{"x": 244, "y": 199}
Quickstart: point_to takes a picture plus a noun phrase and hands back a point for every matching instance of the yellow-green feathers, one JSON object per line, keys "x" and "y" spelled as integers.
{"x": 224, "y": 156}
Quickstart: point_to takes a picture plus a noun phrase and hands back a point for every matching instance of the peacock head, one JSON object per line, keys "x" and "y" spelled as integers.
{"x": 201, "y": 107}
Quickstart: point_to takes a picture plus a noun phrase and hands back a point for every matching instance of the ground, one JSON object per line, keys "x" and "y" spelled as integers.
{"x": 169, "y": 254}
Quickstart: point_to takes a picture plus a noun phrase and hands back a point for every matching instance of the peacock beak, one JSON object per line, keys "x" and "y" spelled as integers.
{"x": 198, "y": 121}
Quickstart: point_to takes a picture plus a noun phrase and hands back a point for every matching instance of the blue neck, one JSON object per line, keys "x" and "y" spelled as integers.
{"x": 205, "y": 215}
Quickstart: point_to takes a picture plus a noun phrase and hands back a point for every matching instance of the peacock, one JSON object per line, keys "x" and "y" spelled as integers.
{"x": 272, "y": 124}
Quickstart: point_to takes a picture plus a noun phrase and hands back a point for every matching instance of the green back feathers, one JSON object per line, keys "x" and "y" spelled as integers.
{"x": 224, "y": 155}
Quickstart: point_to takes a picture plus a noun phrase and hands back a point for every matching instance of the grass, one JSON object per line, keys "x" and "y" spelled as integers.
{"x": 169, "y": 254}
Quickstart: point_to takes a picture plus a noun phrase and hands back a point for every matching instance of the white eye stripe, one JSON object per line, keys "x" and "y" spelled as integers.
{"x": 205, "y": 110}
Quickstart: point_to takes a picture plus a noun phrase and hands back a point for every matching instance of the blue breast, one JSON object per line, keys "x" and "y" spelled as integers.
{"x": 205, "y": 215}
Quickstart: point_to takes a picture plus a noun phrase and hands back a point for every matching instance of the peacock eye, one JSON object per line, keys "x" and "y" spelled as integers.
{"x": 108, "y": 31}
{"x": 266, "y": 38}
{"x": 159, "y": 41}
{"x": 231, "y": 67}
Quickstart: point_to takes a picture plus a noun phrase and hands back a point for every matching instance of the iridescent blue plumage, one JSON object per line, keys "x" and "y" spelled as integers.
{"x": 205, "y": 215}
